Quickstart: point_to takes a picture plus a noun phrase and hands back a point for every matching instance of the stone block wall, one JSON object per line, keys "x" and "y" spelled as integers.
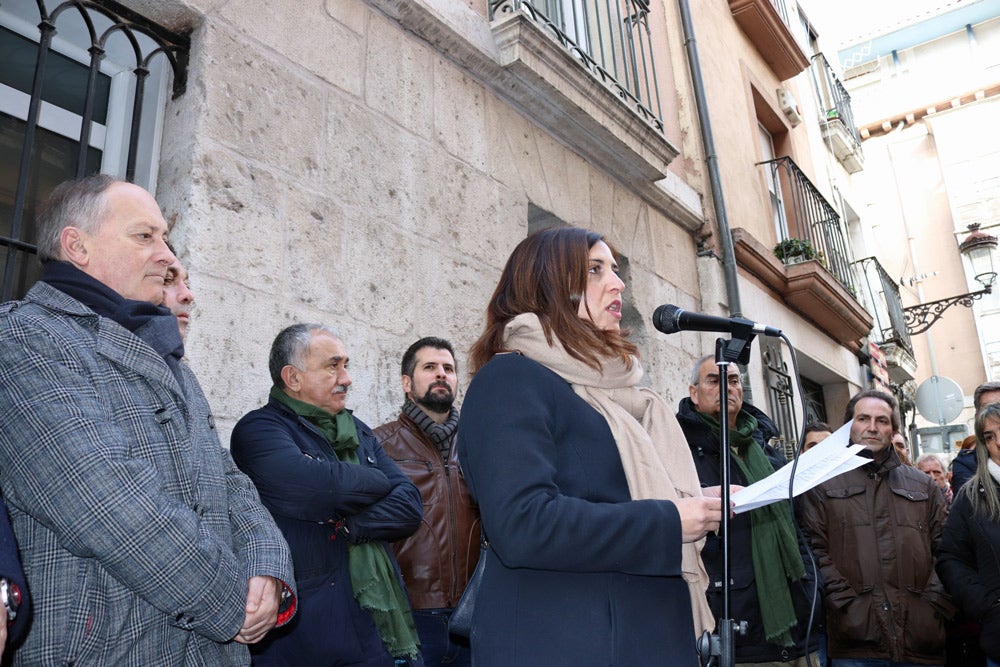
{"x": 325, "y": 164}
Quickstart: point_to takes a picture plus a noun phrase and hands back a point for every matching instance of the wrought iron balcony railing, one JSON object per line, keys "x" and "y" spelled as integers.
{"x": 803, "y": 212}
{"x": 53, "y": 86}
{"x": 782, "y": 9}
{"x": 835, "y": 99}
{"x": 882, "y": 294}
{"x": 610, "y": 38}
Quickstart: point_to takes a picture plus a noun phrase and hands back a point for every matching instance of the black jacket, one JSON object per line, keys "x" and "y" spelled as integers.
{"x": 320, "y": 504}
{"x": 963, "y": 468}
{"x": 968, "y": 562}
{"x": 577, "y": 572}
{"x": 743, "y": 593}
{"x": 10, "y": 569}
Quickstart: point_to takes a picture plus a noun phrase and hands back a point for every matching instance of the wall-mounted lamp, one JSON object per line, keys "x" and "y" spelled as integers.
{"x": 980, "y": 248}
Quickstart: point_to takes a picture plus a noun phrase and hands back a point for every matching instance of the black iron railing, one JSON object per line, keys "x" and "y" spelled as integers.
{"x": 610, "y": 38}
{"x": 835, "y": 99}
{"x": 882, "y": 293}
{"x": 779, "y": 6}
{"x": 806, "y": 214}
{"x": 780, "y": 396}
{"x": 17, "y": 237}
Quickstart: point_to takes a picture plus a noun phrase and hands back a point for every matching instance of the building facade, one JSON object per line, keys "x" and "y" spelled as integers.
{"x": 787, "y": 145}
{"x": 371, "y": 163}
{"x": 926, "y": 90}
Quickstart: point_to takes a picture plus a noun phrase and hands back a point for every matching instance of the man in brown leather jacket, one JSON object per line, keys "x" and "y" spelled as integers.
{"x": 874, "y": 530}
{"x": 439, "y": 558}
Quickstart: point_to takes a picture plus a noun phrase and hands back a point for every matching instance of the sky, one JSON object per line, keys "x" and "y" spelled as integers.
{"x": 846, "y": 21}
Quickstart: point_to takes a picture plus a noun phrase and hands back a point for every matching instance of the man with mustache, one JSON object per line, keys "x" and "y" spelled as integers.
{"x": 439, "y": 558}
{"x": 340, "y": 500}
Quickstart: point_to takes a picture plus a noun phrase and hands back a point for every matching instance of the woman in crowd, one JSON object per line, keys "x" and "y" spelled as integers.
{"x": 968, "y": 556}
{"x": 586, "y": 486}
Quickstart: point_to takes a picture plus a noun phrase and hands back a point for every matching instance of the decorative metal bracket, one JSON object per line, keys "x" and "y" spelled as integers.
{"x": 919, "y": 318}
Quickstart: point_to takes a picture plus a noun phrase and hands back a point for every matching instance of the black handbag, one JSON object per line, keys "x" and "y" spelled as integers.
{"x": 460, "y": 622}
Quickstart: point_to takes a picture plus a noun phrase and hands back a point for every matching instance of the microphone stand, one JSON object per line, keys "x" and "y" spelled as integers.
{"x": 722, "y": 644}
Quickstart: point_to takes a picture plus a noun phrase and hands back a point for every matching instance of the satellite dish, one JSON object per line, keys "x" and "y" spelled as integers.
{"x": 939, "y": 399}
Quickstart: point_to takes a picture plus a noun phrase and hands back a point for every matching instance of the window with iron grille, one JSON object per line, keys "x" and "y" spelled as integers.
{"x": 780, "y": 395}
{"x": 83, "y": 88}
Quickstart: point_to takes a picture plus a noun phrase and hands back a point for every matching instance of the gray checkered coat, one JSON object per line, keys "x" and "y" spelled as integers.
{"x": 137, "y": 532}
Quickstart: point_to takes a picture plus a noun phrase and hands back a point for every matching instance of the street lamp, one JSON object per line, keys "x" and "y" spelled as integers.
{"x": 980, "y": 248}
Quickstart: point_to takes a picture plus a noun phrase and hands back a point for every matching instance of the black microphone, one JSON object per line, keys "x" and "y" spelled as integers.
{"x": 670, "y": 319}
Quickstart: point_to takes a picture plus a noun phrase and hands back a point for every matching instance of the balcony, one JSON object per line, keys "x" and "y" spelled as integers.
{"x": 804, "y": 213}
{"x": 822, "y": 288}
{"x": 890, "y": 332}
{"x": 767, "y": 25}
{"x": 839, "y": 129}
{"x": 584, "y": 72}
{"x": 609, "y": 38}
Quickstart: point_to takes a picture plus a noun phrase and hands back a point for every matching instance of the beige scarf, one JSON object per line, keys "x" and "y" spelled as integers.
{"x": 652, "y": 447}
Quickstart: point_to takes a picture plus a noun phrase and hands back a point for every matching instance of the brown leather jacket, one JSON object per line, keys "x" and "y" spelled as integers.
{"x": 874, "y": 532}
{"x": 439, "y": 558}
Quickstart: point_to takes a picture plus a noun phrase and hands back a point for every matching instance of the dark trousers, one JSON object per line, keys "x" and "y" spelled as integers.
{"x": 437, "y": 647}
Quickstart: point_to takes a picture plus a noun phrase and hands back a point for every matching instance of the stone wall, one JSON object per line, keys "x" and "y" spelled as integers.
{"x": 325, "y": 164}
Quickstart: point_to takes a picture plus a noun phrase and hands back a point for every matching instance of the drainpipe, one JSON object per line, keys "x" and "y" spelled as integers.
{"x": 715, "y": 181}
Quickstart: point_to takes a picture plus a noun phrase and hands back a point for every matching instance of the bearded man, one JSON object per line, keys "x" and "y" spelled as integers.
{"x": 438, "y": 560}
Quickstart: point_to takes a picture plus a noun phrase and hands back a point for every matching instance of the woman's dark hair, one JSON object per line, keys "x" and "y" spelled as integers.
{"x": 546, "y": 274}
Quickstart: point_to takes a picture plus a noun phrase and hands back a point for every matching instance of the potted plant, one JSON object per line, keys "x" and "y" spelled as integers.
{"x": 793, "y": 251}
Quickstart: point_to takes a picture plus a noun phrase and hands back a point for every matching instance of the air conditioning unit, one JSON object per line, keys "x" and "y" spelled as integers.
{"x": 789, "y": 106}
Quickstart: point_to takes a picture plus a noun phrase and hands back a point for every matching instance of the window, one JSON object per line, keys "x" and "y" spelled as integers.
{"x": 773, "y": 184}
{"x": 72, "y": 124}
{"x": 815, "y": 403}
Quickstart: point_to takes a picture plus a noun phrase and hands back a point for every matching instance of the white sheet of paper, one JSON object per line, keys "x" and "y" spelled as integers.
{"x": 832, "y": 457}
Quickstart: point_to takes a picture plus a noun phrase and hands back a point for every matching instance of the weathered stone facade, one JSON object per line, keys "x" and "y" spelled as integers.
{"x": 328, "y": 164}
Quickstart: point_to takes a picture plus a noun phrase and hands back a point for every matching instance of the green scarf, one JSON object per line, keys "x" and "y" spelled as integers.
{"x": 373, "y": 578}
{"x": 772, "y": 534}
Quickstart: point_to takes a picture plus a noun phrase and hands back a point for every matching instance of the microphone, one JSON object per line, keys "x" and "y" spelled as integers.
{"x": 670, "y": 319}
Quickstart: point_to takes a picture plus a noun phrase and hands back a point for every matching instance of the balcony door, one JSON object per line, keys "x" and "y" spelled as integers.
{"x": 773, "y": 184}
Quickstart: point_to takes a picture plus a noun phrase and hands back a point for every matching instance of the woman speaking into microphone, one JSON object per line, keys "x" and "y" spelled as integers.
{"x": 585, "y": 484}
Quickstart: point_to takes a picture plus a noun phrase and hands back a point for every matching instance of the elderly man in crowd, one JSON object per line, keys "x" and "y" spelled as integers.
{"x": 931, "y": 465}
{"x": 142, "y": 543}
{"x": 340, "y": 500}
{"x": 769, "y": 586}
{"x": 874, "y": 530}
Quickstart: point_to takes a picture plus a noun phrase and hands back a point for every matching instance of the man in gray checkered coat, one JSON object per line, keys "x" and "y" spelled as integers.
{"x": 142, "y": 543}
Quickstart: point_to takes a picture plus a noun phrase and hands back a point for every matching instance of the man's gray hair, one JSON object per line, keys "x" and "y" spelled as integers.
{"x": 80, "y": 203}
{"x": 291, "y": 346}
{"x": 984, "y": 388}
{"x": 929, "y": 457}
{"x": 696, "y": 371}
